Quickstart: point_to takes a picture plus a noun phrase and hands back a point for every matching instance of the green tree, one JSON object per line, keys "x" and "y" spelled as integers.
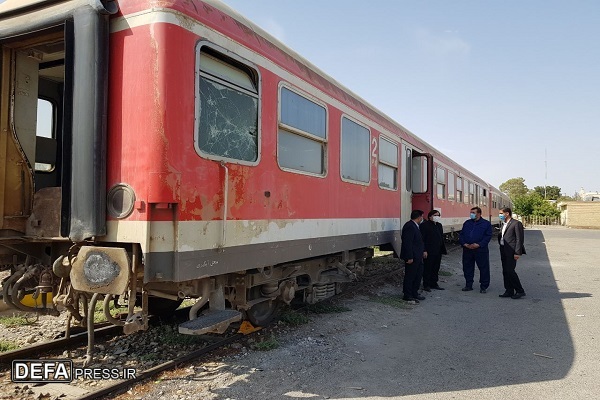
{"x": 550, "y": 192}
{"x": 534, "y": 204}
{"x": 514, "y": 188}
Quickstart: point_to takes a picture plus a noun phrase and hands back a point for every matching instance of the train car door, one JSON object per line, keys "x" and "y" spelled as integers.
{"x": 53, "y": 96}
{"x": 415, "y": 181}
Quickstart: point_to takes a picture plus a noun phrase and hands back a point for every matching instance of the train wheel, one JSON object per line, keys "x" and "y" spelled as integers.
{"x": 262, "y": 314}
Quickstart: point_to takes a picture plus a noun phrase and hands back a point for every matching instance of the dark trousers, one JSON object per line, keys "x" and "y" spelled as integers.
{"x": 481, "y": 256}
{"x": 412, "y": 278}
{"x": 431, "y": 269}
{"x": 512, "y": 282}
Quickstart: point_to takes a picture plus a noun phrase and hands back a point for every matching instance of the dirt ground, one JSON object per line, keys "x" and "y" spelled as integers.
{"x": 454, "y": 345}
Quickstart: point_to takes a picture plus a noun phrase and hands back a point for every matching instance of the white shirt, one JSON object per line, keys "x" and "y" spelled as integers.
{"x": 504, "y": 225}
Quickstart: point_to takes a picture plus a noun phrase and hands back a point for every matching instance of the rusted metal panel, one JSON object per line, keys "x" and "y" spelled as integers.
{"x": 44, "y": 221}
{"x": 101, "y": 270}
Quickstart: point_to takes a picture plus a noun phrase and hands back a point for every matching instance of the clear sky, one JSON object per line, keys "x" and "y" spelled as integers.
{"x": 494, "y": 85}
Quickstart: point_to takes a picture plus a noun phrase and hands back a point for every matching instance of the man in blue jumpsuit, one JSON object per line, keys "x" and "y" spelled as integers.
{"x": 474, "y": 238}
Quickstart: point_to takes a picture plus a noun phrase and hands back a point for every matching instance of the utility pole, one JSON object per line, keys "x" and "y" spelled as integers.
{"x": 545, "y": 173}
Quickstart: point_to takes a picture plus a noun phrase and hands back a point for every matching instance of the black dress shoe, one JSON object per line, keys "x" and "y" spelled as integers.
{"x": 437, "y": 288}
{"x": 427, "y": 288}
{"x": 517, "y": 295}
{"x": 483, "y": 291}
{"x": 408, "y": 298}
{"x": 466, "y": 289}
{"x": 419, "y": 297}
{"x": 505, "y": 294}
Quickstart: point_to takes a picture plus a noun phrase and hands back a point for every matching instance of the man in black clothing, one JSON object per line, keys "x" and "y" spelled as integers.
{"x": 433, "y": 237}
{"x": 512, "y": 246}
{"x": 412, "y": 253}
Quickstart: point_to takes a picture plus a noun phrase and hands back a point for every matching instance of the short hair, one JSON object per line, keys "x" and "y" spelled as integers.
{"x": 476, "y": 209}
{"x": 506, "y": 209}
{"x": 433, "y": 212}
{"x": 416, "y": 214}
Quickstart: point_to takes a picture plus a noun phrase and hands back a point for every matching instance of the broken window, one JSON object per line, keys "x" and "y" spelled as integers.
{"x": 228, "y": 109}
{"x": 356, "y": 151}
{"x": 302, "y": 133}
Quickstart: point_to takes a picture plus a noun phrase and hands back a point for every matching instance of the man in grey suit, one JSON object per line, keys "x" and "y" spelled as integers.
{"x": 511, "y": 241}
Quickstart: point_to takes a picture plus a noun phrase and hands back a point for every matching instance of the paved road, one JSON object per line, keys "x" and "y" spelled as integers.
{"x": 454, "y": 345}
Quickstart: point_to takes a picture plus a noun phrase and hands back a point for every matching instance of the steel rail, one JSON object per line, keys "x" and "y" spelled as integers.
{"x": 36, "y": 350}
{"x": 126, "y": 384}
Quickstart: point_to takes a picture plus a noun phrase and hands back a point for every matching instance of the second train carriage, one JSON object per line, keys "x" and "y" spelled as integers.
{"x": 190, "y": 154}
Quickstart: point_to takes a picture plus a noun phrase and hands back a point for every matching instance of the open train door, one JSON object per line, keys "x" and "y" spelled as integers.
{"x": 416, "y": 181}
{"x": 53, "y": 95}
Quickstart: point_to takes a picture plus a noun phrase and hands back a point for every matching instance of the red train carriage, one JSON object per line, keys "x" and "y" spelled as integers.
{"x": 190, "y": 154}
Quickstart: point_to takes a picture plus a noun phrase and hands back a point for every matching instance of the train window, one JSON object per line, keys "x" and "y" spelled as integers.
{"x": 419, "y": 174}
{"x": 451, "y": 181}
{"x": 227, "y": 122}
{"x": 388, "y": 165}
{"x": 459, "y": 190}
{"x": 408, "y": 169}
{"x": 356, "y": 152}
{"x": 302, "y": 136}
{"x": 45, "y": 153}
{"x": 440, "y": 176}
{"x": 471, "y": 193}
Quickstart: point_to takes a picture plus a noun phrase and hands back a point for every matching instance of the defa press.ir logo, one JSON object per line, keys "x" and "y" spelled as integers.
{"x": 62, "y": 371}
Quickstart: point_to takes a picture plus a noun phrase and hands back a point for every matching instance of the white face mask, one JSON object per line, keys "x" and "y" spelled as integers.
{"x": 437, "y": 219}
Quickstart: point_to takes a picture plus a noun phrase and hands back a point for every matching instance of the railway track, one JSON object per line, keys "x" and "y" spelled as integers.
{"x": 123, "y": 385}
{"x": 58, "y": 344}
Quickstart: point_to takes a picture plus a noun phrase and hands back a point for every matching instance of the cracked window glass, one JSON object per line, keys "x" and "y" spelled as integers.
{"x": 228, "y": 110}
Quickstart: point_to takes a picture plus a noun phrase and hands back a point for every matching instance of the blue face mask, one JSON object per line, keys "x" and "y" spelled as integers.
{"x": 501, "y": 216}
{"x": 472, "y": 215}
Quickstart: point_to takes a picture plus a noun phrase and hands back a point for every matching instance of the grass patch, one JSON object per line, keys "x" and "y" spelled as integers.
{"x": 445, "y": 273}
{"x": 187, "y": 303}
{"x": 14, "y": 320}
{"x": 394, "y": 301}
{"x": 7, "y": 346}
{"x": 99, "y": 311}
{"x": 267, "y": 344}
{"x": 327, "y": 308}
{"x": 294, "y": 318}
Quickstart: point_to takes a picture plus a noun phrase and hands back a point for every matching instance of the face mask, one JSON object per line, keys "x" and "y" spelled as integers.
{"x": 436, "y": 218}
{"x": 501, "y": 216}
{"x": 472, "y": 215}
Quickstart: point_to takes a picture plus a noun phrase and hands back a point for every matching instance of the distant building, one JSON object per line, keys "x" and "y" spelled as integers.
{"x": 580, "y": 214}
{"x": 589, "y": 196}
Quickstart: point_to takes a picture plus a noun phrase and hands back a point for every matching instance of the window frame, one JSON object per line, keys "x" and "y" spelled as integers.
{"x": 307, "y": 135}
{"x": 461, "y": 198}
{"x": 53, "y": 134}
{"x": 198, "y": 75}
{"x": 451, "y": 182}
{"x": 369, "y": 152}
{"x": 439, "y": 183}
{"x": 396, "y": 167}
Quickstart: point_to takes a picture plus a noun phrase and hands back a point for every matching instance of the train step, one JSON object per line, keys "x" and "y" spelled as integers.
{"x": 211, "y": 322}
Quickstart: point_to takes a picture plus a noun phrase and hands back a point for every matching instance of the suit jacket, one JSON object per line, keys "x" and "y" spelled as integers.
{"x": 433, "y": 237}
{"x": 412, "y": 243}
{"x": 514, "y": 238}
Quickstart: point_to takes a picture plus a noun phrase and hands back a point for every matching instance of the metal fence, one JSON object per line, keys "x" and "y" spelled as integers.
{"x": 532, "y": 220}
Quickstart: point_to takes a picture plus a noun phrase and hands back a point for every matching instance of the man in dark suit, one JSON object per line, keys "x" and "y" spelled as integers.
{"x": 511, "y": 240}
{"x": 433, "y": 237}
{"x": 412, "y": 252}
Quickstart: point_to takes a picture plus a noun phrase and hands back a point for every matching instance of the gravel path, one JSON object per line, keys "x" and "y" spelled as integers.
{"x": 452, "y": 345}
